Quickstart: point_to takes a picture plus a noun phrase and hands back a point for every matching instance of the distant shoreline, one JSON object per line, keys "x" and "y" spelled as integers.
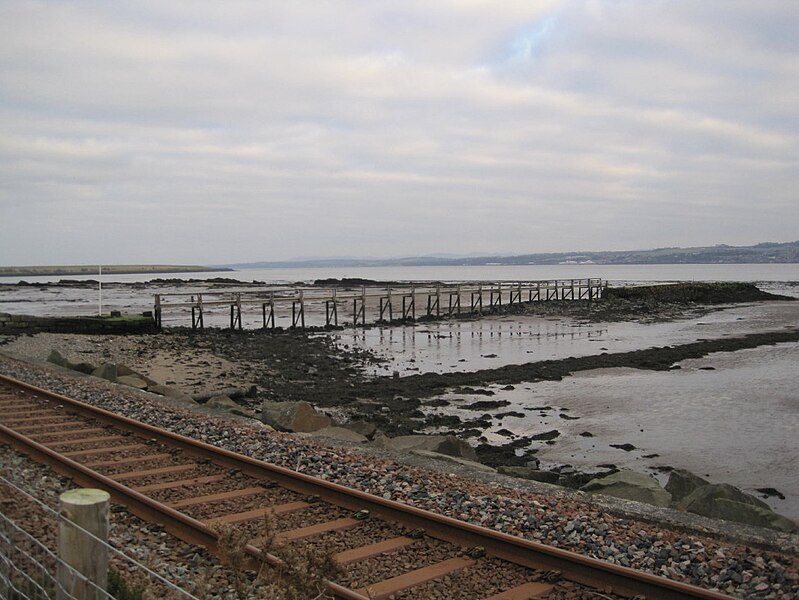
{"x": 48, "y": 271}
{"x": 764, "y": 253}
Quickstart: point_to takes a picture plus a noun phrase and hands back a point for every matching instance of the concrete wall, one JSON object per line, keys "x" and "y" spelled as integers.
{"x": 125, "y": 324}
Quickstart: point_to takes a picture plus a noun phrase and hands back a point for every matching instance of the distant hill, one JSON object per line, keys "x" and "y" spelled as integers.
{"x": 766, "y": 252}
{"x": 92, "y": 270}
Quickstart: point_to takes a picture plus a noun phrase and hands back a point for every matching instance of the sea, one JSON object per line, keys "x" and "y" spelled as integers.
{"x": 729, "y": 417}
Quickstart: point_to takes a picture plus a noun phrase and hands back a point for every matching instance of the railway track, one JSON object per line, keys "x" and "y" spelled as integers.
{"x": 386, "y": 549}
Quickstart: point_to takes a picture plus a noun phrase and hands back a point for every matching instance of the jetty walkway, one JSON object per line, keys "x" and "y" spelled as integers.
{"x": 369, "y": 304}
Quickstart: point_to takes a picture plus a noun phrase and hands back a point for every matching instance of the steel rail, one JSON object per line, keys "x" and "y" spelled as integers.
{"x": 575, "y": 567}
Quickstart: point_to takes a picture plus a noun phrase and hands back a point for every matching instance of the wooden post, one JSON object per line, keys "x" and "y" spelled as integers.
{"x": 359, "y": 312}
{"x": 235, "y": 312}
{"x": 157, "y": 311}
{"x": 331, "y": 311}
{"x": 88, "y": 508}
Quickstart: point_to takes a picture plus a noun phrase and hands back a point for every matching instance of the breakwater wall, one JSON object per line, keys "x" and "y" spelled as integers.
{"x": 11, "y": 323}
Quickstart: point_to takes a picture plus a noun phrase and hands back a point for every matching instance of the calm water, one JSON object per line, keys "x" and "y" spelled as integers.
{"x": 491, "y": 342}
{"x": 54, "y": 301}
{"x": 614, "y": 273}
{"x": 738, "y": 423}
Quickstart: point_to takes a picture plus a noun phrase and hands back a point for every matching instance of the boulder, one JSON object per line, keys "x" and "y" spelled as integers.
{"x": 230, "y": 392}
{"x": 454, "y": 459}
{"x": 222, "y": 401}
{"x": 125, "y": 370}
{"x": 577, "y": 480}
{"x": 83, "y": 367}
{"x": 364, "y": 428}
{"x": 170, "y": 392}
{"x": 730, "y": 510}
{"x": 530, "y": 473}
{"x": 293, "y": 416}
{"x": 106, "y": 371}
{"x": 682, "y": 483}
{"x": 630, "y": 486}
{"x": 133, "y": 381}
{"x": 381, "y": 440}
{"x": 56, "y": 358}
{"x": 705, "y": 501}
{"x": 343, "y": 434}
{"x": 443, "y": 444}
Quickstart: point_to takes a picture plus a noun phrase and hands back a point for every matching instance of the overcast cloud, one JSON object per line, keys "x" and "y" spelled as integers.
{"x": 212, "y": 132}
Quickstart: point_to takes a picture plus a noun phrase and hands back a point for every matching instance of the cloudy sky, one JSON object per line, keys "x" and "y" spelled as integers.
{"x": 213, "y": 132}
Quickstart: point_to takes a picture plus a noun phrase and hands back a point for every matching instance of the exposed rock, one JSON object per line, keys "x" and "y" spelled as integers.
{"x": 133, "y": 381}
{"x": 443, "y": 444}
{"x": 487, "y": 404}
{"x": 682, "y": 483}
{"x": 106, "y": 371}
{"x": 510, "y": 413}
{"x": 293, "y": 416}
{"x": 567, "y": 417}
{"x": 455, "y": 459}
{"x": 340, "y": 433}
{"x": 625, "y": 447}
{"x": 437, "y": 402}
{"x": 631, "y": 486}
{"x": 770, "y": 491}
{"x": 547, "y": 435}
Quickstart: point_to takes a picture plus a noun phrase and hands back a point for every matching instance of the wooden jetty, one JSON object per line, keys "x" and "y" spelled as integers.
{"x": 373, "y": 304}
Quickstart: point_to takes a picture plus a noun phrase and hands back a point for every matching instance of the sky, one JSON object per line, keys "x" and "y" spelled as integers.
{"x": 201, "y": 132}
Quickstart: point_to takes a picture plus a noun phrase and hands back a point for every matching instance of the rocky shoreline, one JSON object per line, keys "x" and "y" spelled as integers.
{"x": 248, "y": 371}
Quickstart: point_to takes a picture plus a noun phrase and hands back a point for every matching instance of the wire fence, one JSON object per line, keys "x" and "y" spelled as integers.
{"x": 30, "y": 570}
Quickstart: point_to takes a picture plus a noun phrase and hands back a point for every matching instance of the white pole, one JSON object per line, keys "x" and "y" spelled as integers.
{"x": 100, "y": 308}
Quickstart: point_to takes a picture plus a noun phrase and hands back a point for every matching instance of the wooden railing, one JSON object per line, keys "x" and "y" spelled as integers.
{"x": 385, "y": 304}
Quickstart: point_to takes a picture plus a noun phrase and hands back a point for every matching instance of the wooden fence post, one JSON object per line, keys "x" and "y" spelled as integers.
{"x": 88, "y": 508}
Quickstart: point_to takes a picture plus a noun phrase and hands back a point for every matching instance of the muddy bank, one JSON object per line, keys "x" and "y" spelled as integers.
{"x": 290, "y": 366}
